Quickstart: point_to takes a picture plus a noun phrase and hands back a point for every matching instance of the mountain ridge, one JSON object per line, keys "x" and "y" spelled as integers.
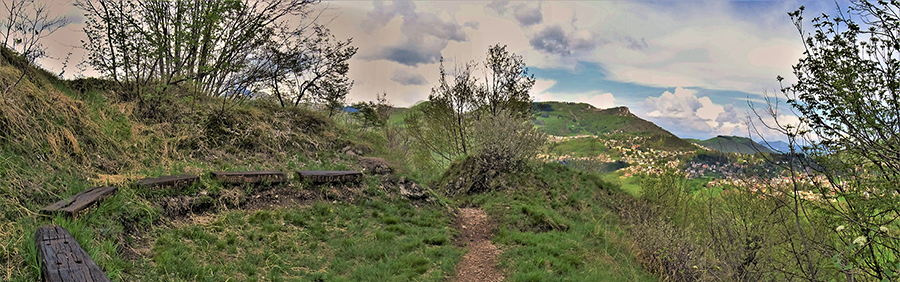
{"x": 567, "y": 119}
{"x": 732, "y": 144}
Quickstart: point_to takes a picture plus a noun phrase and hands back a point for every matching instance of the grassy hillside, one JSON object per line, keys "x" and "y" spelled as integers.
{"x": 59, "y": 137}
{"x": 572, "y": 119}
{"x": 732, "y": 144}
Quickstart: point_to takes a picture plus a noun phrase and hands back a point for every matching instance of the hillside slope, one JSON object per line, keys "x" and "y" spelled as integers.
{"x": 732, "y": 144}
{"x": 58, "y": 138}
{"x": 572, "y": 119}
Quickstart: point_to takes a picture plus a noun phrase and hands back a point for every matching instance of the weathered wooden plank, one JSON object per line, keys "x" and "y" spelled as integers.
{"x": 250, "y": 176}
{"x": 171, "y": 180}
{"x": 81, "y": 201}
{"x": 329, "y": 176}
{"x": 63, "y": 259}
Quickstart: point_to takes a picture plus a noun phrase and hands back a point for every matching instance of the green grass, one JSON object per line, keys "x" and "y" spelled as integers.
{"x": 632, "y": 184}
{"x": 555, "y": 226}
{"x": 370, "y": 241}
{"x": 582, "y": 147}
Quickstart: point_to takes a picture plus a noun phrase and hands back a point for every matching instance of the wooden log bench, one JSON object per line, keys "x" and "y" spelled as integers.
{"x": 63, "y": 259}
{"x": 171, "y": 180}
{"x": 269, "y": 176}
{"x": 75, "y": 204}
{"x": 329, "y": 176}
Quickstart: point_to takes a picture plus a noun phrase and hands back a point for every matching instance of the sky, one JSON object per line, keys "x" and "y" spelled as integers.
{"x": 692, "y": 67}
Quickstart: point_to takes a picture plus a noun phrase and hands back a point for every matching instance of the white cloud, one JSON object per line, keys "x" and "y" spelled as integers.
{"x": 596, "y": 98}
{"x": 708, "y": 110}
{"x": 683, "y": 113}
{"x": 601, "y": 101}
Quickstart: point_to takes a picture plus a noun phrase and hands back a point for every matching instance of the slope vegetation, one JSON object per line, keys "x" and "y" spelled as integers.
{"x": 573, "y": 119}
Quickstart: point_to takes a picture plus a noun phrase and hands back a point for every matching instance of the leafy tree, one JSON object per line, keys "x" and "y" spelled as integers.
{"x": 846, "y": 93}
{"x": 506, "y": 84}
{"x": 373, "y": 114}
{"x": 460, "y": 111}
{"x": 442, "y": 125}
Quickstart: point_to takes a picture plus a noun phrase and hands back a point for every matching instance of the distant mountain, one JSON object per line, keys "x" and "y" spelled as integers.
{"x": 572, "y": 119}
{"x": 732, "y": 144}
{"x": 782, "y": 146}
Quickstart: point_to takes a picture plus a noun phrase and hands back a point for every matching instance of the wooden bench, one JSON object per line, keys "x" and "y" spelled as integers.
{"x": 63, "y": 259}
{"x": 329, "y": 176}
{"x": 80, "y": 201}
{"x": 250, "y": 176}
{"x": 171, "y": 180}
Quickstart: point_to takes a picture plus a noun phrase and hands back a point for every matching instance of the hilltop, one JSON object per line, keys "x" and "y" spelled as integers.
{"x": 574, "y": 119}
{"x": 732, "y": 144}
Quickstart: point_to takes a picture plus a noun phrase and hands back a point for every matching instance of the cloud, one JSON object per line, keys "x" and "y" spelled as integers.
{"x": 408, "y": 77}
{"x": 472, "y": 24}
{"x": 601, "y": 101}
{"x": 553, "y": 39}
{"x": 681, "y": 104}
{"x": 424, "y": 34}
{"x": 528, "y": 14}
{"x": 498, "y": 6}
{"x": 728, "y": 115}
{"x": 686, "y": 115}
{"x": 634, "y": 44}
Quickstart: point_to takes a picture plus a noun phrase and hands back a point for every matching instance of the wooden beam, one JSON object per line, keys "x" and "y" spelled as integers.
{"x": 171, "y": 180}
{"x": 81, "y": 201}
{"x": 329, "y": 176}
{"x": 250, "y": 176}
{"x": 63, "y": 259}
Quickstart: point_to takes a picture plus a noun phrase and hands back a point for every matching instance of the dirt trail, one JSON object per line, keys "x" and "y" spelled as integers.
{"x": 480, "y": 261}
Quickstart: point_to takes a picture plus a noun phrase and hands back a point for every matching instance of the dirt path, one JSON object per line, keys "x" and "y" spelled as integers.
{"x": 479, "y": 264}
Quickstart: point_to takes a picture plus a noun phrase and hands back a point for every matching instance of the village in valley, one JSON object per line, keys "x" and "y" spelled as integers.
{"x": 709, "y": 168}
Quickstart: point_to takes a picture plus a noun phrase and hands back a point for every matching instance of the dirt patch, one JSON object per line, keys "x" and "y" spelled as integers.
{"x": 480, "y": 261}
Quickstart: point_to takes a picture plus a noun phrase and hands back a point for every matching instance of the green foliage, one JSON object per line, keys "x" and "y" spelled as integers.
{"x": 452, "y": 123}
{"x": 443, "y": 124}
{"x": 846, "y": 95}
{"x": 373, "y": 114}
{"x": 732, "y": 235}
{"x": 505, "y": 142}
{"x": 506, "y": 85}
